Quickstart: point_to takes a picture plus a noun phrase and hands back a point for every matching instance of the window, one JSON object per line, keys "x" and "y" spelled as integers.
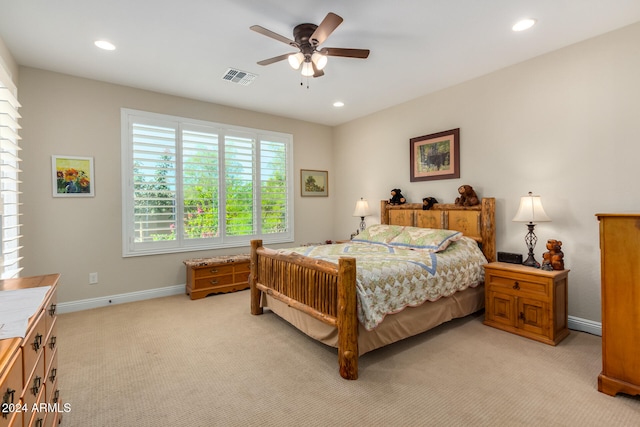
{"x": 9, "y": 169}
{"x": 194, "y": 185}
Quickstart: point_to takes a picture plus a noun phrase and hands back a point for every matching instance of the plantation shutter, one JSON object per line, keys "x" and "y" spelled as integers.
{"x": 154, "y": 183}
{"x": 273, "y": 186}
{"x": 9, "y": 170}
{"x": 239, "y": 171}
{"x": 200, "y": 184}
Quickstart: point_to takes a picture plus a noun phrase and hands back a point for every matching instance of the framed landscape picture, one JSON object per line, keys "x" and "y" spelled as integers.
{"x": 435, "y": 156}
{"x": 72, "y": 176}
{"x": 314, "y": 183}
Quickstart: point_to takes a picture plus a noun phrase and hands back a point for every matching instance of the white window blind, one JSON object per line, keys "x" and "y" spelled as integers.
{"x": 9, "y": 170}
{"x": 193, "y": 185}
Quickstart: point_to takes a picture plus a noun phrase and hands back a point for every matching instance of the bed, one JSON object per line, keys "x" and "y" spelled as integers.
{"x": 321, "y": 290}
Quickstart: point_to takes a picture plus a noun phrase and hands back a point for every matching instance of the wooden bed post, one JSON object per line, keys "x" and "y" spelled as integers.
{"x": 347, "y": 320}
{"x": 255, "y": 292}
{"x": 488, "y": 228}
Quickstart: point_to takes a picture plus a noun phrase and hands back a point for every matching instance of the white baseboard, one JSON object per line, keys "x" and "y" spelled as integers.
{"x": 584, "y": 325}
{"x": 86, "y": 304}
{"x": 575, "y": 323}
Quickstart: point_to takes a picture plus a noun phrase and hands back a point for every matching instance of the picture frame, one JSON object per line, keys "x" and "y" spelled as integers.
{"x": 72, "y": 176}
{"x": 435, "y": 156}
{"x": 314, "y": 183}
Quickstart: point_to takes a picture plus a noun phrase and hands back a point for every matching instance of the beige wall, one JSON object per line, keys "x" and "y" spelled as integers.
{"x": 565, "y": 125}
{"x": 66, "y": 115}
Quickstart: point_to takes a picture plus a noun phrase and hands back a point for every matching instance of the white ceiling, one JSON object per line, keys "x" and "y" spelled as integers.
{"x": 184, "y": 47}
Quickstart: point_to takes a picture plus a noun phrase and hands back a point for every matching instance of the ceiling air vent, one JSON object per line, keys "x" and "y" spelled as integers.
{"x": 240, "y": 77}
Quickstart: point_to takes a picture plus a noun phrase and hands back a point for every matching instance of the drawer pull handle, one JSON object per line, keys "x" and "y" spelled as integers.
{"x": 213, "y": 282}
{"x": 52, "y": 310}
{"x": 37, "y": 383}
{"x": 516, "y": 286}
{"x": 5, "y": 400}
{"x": 52, "y": 377}
{"x": 213, "y": 271}
{"x": 39, "y": 422}
{"x": 37, "y": 342}
{"x": 52, "y": 343}
{"x": 56, "y": 396}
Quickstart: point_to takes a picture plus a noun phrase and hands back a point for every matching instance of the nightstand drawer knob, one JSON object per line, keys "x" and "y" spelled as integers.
{"x": 213, "y": 270}
{"x": 213, "y": 282}
{"x": 516, "y": 286}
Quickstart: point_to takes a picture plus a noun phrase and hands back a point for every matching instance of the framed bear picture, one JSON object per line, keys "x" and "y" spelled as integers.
{"x": 435, "y": 156}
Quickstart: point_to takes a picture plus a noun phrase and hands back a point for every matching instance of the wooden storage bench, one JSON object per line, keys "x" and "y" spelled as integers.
{"x": 206, "y": 276}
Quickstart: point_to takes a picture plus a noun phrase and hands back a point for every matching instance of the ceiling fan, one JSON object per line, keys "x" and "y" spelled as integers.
{"x": 307, "y": 39}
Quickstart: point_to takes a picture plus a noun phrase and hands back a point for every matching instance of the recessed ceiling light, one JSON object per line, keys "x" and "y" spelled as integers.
{"x": 338, "y": 104}
{"x": 103, "y": 44}
{"x": 524, "y": 24}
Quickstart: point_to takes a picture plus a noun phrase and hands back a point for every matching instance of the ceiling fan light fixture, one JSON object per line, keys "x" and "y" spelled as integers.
{"x": 295, "y": 59}
{"x": 307, "y": 69}
{"x": 319, "y": 59}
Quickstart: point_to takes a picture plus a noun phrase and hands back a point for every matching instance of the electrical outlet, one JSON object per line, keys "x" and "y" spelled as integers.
{"x": 93, "y": 278}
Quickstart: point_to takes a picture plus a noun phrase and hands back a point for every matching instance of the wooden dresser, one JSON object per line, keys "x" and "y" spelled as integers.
{"x": 220, "y": 274}
{"x": 620, "y": 295}
{"x": 527, "y": 301}
{"x": 29, "y": 366}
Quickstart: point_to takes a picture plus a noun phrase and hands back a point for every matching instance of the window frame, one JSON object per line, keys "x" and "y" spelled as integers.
{"x": 131, "y": 248}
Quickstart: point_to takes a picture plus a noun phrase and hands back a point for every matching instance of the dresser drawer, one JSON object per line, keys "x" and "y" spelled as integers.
{"x": 213, "y": 281}
{"x": 51, "y": 310}
{"x": 33, "y": 347}
{"x": 213, "y": 270}
{"x": 52, "y": 377}
{"x": 521, "y": 283}
{"x": 34, "y": 384}
{"x": 11, "y": 388}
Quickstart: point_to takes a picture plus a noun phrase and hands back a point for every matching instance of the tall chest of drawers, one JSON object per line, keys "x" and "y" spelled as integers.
{"x": 29, "y": 365}
{"x": 620, "y": 295}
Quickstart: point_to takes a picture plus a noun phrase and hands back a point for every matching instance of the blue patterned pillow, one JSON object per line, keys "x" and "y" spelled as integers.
{"x": 427, "y": 239}
{"x": 379, "y": 233}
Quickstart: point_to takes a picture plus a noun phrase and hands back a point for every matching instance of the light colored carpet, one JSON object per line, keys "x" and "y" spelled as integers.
{"x": 176, "y": 362}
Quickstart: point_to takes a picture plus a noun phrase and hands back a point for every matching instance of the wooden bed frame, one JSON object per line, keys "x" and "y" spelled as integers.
{"x": 327, "y": 292}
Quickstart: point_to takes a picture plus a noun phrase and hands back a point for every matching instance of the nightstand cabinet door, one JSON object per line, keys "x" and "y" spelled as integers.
{"x": 527, "y": 301}
{"x": 533, "y": 316}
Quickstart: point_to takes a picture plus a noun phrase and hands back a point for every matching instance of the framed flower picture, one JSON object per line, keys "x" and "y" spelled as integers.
{"x": 72, "y": 176}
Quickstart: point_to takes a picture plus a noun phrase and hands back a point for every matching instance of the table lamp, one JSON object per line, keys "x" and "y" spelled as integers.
{"x": 362, "y": 210}
{"x": 531, "y": 212}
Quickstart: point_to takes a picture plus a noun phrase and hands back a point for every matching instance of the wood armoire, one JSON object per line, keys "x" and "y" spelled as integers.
{"x": 620, "y": 282}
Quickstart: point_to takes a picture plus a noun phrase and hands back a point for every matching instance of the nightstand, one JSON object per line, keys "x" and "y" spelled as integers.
{"x": 527, "y": 301}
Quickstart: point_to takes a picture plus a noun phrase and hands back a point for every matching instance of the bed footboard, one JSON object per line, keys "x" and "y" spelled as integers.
{"x": 321, "y": 289}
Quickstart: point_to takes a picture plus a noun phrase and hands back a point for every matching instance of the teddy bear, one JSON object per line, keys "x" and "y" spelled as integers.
{"x": 554, "y": 258}
{"x": 428, "y": 202}
{"x": 396, "y": 197}
{"x": 468, "y": 196}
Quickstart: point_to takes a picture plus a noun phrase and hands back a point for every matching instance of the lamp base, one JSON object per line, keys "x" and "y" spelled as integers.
{"x": 531, "y": 239}
{"x": 531, "y": 262}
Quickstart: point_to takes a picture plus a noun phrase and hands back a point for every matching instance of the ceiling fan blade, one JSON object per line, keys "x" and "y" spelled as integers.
{"x": 274, "y": 59}
{"x": 326, "y": 27}
{"x": 347, "y": 53}
{"x": 275, "y": 36}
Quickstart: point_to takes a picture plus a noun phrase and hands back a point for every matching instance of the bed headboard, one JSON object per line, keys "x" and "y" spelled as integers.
{"x": 476, "y": 222}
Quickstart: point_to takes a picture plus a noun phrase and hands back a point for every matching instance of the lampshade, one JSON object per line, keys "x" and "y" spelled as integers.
{"x": 307, "y": 69}
{"x": 362, "y": 208}
{"x": 295, "y": 59}
{"x": 319, "y": 59}
{"x": 531, "y": 210}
